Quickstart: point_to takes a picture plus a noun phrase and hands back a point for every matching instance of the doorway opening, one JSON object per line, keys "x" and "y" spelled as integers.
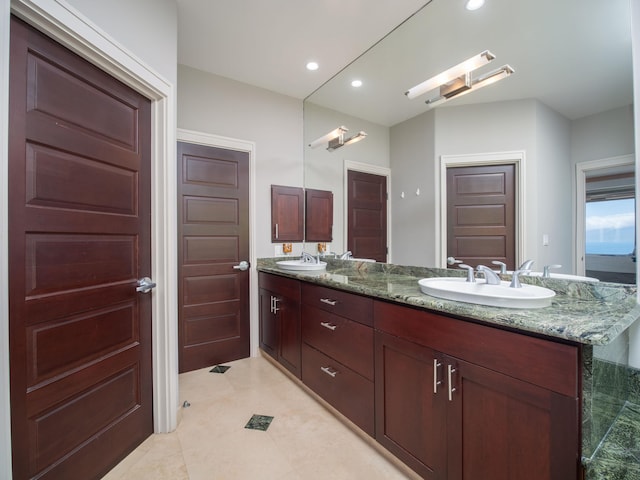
{"x": 605, "y": 219}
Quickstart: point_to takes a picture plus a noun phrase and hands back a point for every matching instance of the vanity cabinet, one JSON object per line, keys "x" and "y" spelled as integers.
{"x": 337, "y": 351}
{"x": 458, "y": 400}
{"x": 287, "y": 214}
{"x": 280, "y": 320}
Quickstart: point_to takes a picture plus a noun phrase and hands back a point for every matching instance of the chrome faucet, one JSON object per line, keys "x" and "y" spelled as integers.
{"x": 307, "y": 258}
{"x": 471, "y": 278}
{"x": 526, "y": 265}
{"x": 546, "y": 268}
{"x": 490, "y": 276}
{"x": 346, "y": 255}
{"x": 453, "y": 261}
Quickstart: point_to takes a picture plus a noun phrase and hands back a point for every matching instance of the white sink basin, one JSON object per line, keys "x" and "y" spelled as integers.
{"x": 369, "y": 260}
{"x": 566, "y": 276}
{"x": 300, "y": 266}
{"x": 479, "y": 292}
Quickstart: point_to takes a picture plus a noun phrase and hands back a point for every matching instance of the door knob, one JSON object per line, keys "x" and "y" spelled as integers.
{"x": 243, "y": 265}
{"x": 145, "y": 285}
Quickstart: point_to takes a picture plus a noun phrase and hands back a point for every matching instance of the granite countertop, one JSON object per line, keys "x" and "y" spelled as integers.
{"x": 588, "y": 313}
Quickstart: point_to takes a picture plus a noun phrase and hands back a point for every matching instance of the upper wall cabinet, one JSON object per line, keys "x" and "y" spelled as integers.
{"x": 287, "y": 214}
{"x": 319, "y": 219}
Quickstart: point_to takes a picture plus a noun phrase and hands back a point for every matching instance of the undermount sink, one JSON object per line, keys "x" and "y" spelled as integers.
{"x": 300, "y": 266}
{"x": 565, "y": 276}
{"x": 481, "y": 293}
{"x": 355, "y": 259}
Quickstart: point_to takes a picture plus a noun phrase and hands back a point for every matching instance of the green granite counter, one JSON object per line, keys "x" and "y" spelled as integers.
{"x": 588, "y": 313}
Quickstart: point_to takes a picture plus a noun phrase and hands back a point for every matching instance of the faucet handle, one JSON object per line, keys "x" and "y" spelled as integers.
{"x": 502, "y": 265}
{"x": 546, "y": 268}
{"x": 453, "y": 261}
{"x": 515, "y": 278}
{"x": 471, "y": 278}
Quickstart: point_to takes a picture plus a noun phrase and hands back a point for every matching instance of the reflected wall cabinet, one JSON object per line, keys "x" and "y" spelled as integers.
{"x": 319, "y": 215}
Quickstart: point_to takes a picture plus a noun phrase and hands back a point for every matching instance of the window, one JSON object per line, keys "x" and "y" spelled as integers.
{"x": 610, "y": 226}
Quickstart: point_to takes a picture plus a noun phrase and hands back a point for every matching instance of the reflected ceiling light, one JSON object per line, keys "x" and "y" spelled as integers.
{"x": 356, "y": 83}
{"x": 312, "y": 66}
{"x": 473, "y": 4}
{"x": 335, "y": 139}
{"x": 449, "y": 91}
{"x": 451, "y": 74}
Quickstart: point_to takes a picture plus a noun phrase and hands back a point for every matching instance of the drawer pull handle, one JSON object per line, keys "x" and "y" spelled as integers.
{"x": 328, "y": 371}
{"x": 328, "y": 301}
{"x": 328, "y": 325}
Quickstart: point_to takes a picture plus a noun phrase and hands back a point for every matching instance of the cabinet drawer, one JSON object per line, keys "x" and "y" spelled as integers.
{"x": 344, "y": 304}
{"x": 287, "y": 287}
{"x": 350, "y": 393}
{"x": 348, "y": 342}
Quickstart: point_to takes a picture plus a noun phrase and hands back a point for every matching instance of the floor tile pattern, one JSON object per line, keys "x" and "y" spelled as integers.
{"x": 304, "y": 442}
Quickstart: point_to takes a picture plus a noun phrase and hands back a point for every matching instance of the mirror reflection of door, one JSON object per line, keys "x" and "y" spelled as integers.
{"x": 610, "y": 250}
{"x": 481, "y": 214}
{"x": 367, "y": 215}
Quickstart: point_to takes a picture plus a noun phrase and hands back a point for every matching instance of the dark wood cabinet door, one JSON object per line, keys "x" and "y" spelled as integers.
{"x": 288, "y": 312}
{"x": 318, "y": 216}
{"x": 501, "y": 428}
{"x": 410, "y": 404}
{"x": 268, "y": 324}
{"x": 287, "y": 214}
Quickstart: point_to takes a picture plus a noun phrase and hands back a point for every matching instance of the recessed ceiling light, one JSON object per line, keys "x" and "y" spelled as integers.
{"x": 474, "y": 4}
{"x": 356, "y": 83}
{"x": 312, "y": 66}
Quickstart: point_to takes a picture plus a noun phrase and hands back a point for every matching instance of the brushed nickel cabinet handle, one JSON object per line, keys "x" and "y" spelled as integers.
{"x": 328, "y": 325}
{"x": 450, "y": 370}
{"x": 328, "y": 371}
{"x": 436, "y": 382}
{"x": 328, "y": 301}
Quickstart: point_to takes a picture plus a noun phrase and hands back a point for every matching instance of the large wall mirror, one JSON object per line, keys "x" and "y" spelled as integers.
{"x": 570, "y": 101}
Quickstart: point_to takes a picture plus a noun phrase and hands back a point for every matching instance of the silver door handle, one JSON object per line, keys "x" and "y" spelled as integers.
{"x": 145, "y": 285}
{"x": 243, "y": 265}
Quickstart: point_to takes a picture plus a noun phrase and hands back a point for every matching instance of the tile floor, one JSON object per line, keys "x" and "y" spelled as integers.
{"x": 303, "y": 442}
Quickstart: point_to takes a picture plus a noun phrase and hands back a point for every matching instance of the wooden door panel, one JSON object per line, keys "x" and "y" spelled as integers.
{"x": 213, "y": 218}
{"x": 481, "y": 214}
{"x": 79, "y": 238}
{"x": 367, "y": 215}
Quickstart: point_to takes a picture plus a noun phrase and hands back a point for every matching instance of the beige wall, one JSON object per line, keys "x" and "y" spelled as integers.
{"x": 216, "y": 105}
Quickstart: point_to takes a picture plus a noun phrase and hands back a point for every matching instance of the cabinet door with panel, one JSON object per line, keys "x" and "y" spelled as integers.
{"x": 280, "y": 320}
{"x": 318, "y": 225}
{"x": 462, "y": 401}
{"x": 287, "y": 214}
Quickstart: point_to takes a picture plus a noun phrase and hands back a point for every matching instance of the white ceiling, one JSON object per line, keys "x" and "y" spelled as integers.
{"x": 573, "y": 55}
{"x": 267, "y": 43}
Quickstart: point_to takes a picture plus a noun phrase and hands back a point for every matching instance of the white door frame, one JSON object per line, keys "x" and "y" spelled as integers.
{"x": 211, "y": 140}
{"x": 374, "y": 170}
{"x": 582, "y": 170}
{"x": 516, "y": 158}
{"x": 67, "y": 26}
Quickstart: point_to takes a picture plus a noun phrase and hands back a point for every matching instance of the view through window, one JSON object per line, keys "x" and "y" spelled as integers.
{"x": 610, "y": 227}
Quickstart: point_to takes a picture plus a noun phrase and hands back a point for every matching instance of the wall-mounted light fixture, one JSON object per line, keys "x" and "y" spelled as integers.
{"x": 335, "y": 139}
{"x": 458, "y": 80}
{"x": 446, "y": 92}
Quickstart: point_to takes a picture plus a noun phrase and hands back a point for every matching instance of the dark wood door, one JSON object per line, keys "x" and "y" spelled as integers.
{"x": 367, "y": 215}
{"x": 213, "y": 230}
{"x": 410, "y": 404}
{"x": 79, "y": 238}
{"x": 501, "y": 428}
{"x": 481, "y": 214}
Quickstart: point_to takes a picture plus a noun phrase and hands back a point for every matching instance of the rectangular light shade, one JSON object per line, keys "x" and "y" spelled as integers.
{"x": 329, "y": 136}
{"x": 448, "y": 75}
{"x": 479, "y": 82}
